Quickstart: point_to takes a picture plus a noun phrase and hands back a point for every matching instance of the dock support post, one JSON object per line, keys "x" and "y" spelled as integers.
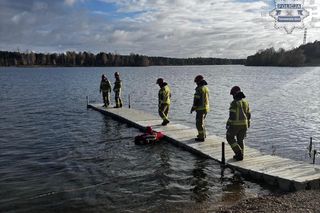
{"x": 129, "y": 102}
{"x": 87, "y": 97}
{"x": 223, "y": 157}
{"x": 314, "y": 156}
{"x": 310, "y": 147}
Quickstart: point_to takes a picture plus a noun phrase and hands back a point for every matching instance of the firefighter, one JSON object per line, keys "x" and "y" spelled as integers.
{"x": 164, "y": 96}
{"x": 201, "y": 106}
{"x": 238, "y": 122}
{"x": 117, "y": 90}
{"x": 105, "y": 89}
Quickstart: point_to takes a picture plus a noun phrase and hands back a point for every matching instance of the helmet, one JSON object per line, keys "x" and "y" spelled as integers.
{"x": 234, "y": 90}
{"x": 159, "y": 81}
{"x": 198, "y": 78}
{"x": 116, "y": 74}
{"x": 149, "y": 129}
{"x": 103, "y": 77}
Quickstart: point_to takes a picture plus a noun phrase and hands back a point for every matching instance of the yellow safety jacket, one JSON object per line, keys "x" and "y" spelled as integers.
{"x": 105, "y": 86}
{"x": 201, "y": 99}
{"x": 164, "y": 95}
{"x": 239, "y": 113}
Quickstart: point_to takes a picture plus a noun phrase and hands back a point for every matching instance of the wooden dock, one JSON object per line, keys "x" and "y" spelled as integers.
{"x": 285, "y": 173}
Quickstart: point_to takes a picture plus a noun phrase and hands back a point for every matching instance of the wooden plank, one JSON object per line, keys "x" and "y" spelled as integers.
{"x": 186, "y": 135}
{"x": 171, "y": 127}
{"x": 150, "y": 122}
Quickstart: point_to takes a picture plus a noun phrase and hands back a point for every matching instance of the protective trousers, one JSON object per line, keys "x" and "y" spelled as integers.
{"x": 201, "y": 114}
{"x": 106, "y": 98}
{"x": 163, "y": 111}
{"x": 118, "y": 99}
{"x": 238, "y": 132}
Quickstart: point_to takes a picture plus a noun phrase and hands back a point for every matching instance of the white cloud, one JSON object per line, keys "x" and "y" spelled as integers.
{"x": 18, "y": 17}
{"x": 174, "y": 28}
{"x": 40, "y": 6}
{"x": 202, "y": 28}
{"x": 70, "y": 2}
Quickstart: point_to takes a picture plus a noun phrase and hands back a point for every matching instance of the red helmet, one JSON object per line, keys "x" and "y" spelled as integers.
{"x": 149, "y": 129}
{"x": 159, "y": 80}
{"x": 234, "y": 90}
{"x": 198, "y": 78}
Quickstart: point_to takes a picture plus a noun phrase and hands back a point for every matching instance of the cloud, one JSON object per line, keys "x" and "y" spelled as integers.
{"x": 174, "y": 28}
{"x": 70, "y": 2}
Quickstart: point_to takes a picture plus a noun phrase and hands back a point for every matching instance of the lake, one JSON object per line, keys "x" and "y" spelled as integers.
{"x": 58, "y": 156}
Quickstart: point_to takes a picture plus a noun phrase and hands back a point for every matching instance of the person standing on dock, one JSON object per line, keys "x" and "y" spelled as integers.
{"x": 201, "y": 106}
{"x": 117, "y": 90}
{"x": 238, "y": 122}
{"x": 164, "y": 96}
{"x": 105, "y": 89}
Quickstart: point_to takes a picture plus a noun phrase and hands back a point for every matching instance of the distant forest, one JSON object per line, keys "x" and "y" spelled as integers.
{"x": 304, "y": 55}
{"x": 87, "y": 59}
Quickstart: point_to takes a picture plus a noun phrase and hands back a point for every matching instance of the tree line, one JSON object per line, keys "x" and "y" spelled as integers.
{"x": 304, "y": 55}
{"x": 87, "y": 59}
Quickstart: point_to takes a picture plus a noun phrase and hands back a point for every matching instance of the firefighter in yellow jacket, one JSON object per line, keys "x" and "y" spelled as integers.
{"x": 164, "y": 96}
{"x": 238, "y": 122}
{"x": 105, "y": 89}
{"x": 201, "y": 106}
{"x": 117, "y": 90}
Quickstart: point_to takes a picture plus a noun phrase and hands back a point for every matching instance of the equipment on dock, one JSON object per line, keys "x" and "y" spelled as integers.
{"x": 150, "y": 137}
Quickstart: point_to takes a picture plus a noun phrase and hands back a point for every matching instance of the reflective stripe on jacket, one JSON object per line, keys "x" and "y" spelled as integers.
{"x": 164, "y": 95}
{"x": 239, "y": 113}
{"x": 201, "y": 99}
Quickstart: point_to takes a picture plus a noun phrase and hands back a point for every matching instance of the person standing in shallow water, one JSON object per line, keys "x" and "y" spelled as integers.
{"x": 105, "y": 89}
{"x": 164, "y": 96}
{"x": 201, "y": 106}
{"x": 238, "y": 122}
{"x": 117, "y": 90}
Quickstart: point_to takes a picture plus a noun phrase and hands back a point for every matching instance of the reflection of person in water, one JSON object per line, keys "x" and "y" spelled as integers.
{"x": 200, "y": 182}
{"x": 163, "y": 169}
{"x": 233, "y": 191}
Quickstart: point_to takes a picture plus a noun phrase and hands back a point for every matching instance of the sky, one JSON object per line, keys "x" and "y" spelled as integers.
{"x": 169, "y": 28}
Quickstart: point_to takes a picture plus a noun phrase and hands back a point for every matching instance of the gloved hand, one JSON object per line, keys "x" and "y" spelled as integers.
{"x": 227, "y": 125}
{"x": 192, "y": 109}
{"x": 248, "y": 123}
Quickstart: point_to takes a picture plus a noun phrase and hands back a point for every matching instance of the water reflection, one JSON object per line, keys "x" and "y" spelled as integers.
{"x": 199, "y": 182}
{"x": 163, "y": 170}
{"x": 233, "y": 191}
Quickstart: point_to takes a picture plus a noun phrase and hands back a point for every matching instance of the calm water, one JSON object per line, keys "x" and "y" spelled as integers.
{"x": 57, "y": 156}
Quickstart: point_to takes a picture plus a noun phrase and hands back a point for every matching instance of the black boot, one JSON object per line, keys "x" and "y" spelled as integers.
{"x": 238, "y": 157}
{"x": 199, "y": 139}
{"x": 165, "y": 122}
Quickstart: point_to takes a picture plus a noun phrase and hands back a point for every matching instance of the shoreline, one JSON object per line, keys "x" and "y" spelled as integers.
{"x": 193, "y": 65}
{"x": 293, "y": 202}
